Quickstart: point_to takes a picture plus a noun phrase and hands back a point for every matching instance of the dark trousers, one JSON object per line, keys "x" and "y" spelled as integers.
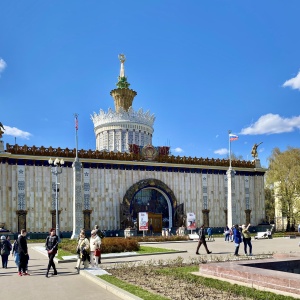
{"x": 236, "y": 252}
{"x": 204, "y": 244}
{"x": 23, "y": 262}
{"x": 51, "y": 262}
{"x": 4, "y": 258}
{"x": 247, "y": 242}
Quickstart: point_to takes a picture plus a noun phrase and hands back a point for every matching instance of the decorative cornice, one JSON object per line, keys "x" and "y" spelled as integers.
{"x": 119, "y": 156}
{"x": 123, "y": 116}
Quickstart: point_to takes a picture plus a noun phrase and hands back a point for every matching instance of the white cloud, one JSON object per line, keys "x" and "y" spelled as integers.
{"x": 222, "y": 151}
{"x": 217, "y": 136}
{"x": 15, "y": 132}
{"x": 2, "y": 65}
{"x": 272, "y": 124}
{"x": 177, "y": 150}
{"x": 294, "y": 83}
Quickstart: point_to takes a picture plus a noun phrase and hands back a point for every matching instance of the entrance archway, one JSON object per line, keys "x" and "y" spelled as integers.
{"x": 148, "y": 195}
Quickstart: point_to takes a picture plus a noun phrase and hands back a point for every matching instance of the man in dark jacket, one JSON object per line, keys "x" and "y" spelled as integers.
{"x": 23, "y": 253}
{"x": 201, "y": 234}
{"x": 51, "y": 247}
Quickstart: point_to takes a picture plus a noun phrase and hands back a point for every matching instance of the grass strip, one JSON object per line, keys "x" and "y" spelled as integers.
{"x": 148, "y": 250}
{"x": 185, "y": 274}
{"x": 143, "y": 250}
{"x": 133, "y": 289}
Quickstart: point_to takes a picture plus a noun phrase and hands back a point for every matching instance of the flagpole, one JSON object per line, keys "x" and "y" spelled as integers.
{"x": 229, "y": 131}
{"x": 76, "y": 136}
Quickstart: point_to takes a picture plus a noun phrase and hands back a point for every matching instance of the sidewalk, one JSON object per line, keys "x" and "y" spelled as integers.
{"x": 69, "y": 285}
{"x": 66, "y": 285}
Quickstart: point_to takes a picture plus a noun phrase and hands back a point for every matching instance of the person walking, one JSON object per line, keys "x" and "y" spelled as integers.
{"x": 23, "y": 253}
{"x": 226, "y": 233}
{"x": 201, "y": 234}
{"x": 51, "y": 246}
{"x": 5, "y": 251}
{"x": 95, "y": 244}
{"x": 15, "y": 252}
{"x": 209, "y": 234}
{"x": 247, "y": 239}
{"x": 101, "y": 235}
{"x": 237, "y": 239}
{"x": 83, "y": 248}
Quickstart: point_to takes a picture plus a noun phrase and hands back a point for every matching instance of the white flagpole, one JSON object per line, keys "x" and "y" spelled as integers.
{"x": 229, "y": 131}
{"x": 76, "y": 136}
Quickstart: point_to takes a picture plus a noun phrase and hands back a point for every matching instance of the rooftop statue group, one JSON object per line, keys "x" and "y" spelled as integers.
{"x": 254, "y": 150}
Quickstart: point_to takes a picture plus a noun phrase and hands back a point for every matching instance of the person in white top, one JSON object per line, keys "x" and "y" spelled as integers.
{"x": 95, "y": 244}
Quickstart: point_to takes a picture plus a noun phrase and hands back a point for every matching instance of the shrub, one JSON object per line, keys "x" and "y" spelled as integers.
{"x": 108, "y": 245}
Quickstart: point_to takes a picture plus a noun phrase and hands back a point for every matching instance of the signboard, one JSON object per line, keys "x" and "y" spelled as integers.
{"x": 143, "y": 221}
{"x": 190, "y": 221}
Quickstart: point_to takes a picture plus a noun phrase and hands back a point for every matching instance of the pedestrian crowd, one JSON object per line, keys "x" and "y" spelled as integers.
{"x": 236, "y": 234}
{"x": 88, "y": 250}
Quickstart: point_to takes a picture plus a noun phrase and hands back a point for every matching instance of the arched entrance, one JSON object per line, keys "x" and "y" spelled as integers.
{"x": 152, "y": 196}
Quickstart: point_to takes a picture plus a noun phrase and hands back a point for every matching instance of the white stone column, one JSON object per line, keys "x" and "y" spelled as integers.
{"x": 77, "y": 199}
{"x": 231, "y": 213}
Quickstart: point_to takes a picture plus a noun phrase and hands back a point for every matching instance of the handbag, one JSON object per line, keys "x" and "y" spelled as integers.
{"x": 2, "y": 251}
{"x": 97, "y": 252}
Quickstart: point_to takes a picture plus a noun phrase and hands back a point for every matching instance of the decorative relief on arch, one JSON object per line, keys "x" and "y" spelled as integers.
{"x": 125, "y": 216}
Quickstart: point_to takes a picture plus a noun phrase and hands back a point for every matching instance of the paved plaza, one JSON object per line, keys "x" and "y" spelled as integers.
{"x": 69, "y": 285}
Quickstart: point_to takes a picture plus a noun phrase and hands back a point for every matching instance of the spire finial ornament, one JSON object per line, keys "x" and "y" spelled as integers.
{"x": 122, "y": 79}
{"x": 122, "y": 59}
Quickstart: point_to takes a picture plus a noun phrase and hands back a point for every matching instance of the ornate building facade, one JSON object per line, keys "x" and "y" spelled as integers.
{"x": 119, "y": 180}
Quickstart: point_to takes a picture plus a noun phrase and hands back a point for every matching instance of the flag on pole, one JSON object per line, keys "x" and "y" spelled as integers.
{"x": 233, "y": 137}
{"x": 76, "y": 123}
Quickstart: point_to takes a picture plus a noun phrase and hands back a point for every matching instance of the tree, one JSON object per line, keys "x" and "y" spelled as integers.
{"x": 236, "y": 157}
{"x": 270, "y": 204}
{"x": 284, "y": 176}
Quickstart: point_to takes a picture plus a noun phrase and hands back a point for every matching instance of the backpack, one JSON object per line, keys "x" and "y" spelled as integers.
{"x": 4, "y": 248}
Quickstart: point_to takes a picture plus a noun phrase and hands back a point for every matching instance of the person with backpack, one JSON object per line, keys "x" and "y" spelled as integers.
{"x": 51, "y": 246}
{"x": 5, "y": 251}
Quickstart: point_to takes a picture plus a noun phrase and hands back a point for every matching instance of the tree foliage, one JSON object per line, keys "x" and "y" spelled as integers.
{"x": 269, "y": 204}
{"x": 284, "y": 177}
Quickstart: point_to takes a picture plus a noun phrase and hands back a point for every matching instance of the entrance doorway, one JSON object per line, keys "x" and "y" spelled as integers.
{"x": 158, "y": 206}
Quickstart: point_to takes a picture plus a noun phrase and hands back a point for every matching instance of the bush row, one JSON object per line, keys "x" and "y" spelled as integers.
{"x": 108, "y": 245}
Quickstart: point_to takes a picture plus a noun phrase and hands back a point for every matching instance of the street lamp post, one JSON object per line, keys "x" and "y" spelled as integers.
{"x": 56, "y": 169}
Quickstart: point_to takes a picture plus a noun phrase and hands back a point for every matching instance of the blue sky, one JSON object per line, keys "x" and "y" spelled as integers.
{"x": 202, "y": 67}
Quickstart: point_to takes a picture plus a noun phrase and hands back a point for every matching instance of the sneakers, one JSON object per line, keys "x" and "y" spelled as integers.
{"x": 209, "y": 252}
{"x": 24, "y": 274}
{"x": 20, "y": 274}
{"x": 197, "y": 253}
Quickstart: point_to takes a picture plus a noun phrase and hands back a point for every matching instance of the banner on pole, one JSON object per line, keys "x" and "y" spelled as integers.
{"x": 143, "y": 221}
{"x": 190, "y": 221}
